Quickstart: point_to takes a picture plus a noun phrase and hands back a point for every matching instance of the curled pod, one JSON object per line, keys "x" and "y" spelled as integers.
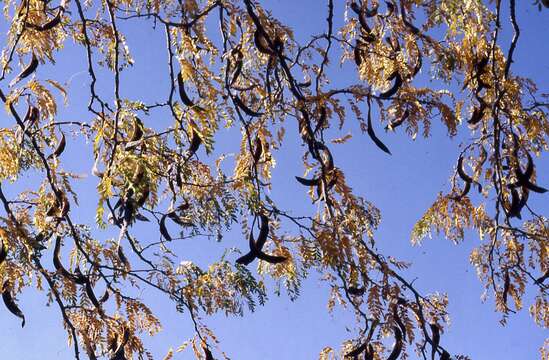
{"x": 461, "y": 171}
{"x": 60, "y": 147}
{"x": 357, "y": 351}
{"x": 122, "y": 257}
{"x": 261, "y": 43}
{"x": 463, "y": 193}
{"x": 196, "y": 140}
{"x": 207, "y": 353}
{"x": 80, "y": 278}
{"x": 435, "y": 339}
{"x": 390, "y": 10}
{"x": 373, "y": 135}
{"x": 542, "y": 278}
{"x": 305, "y": 84}
{"x": 394, "y": 89}
{"x": 183, "y": 94}
{"x": 356, "y": 291}
{"x": 91, "y": 295}
{"x": 57, "y": 262}
{"x": 513, "y": 209}
{"x": 445, "y": 355}
{"x": 322, "y": 119}
{"x": 358, "y": 54}
{"x": 478, "y": 114}
{"x": 10, "y": 303}
{"x": 27, "y": 71}
{"x": 250, "y": 256}
{"x": 524, "y": 178}
{"x": 56, "y": 20}
{"x": 396, "y": 123}
{"x": 271, "y": 259}
{"x": 103, "y": 299}
{"x": 248, "y": 111}
{"x": 398, "y": 321}
{"x": 308, "y": 182}
{"x": 137, "y": 130}
{"x": 397, "y": 348}
{"x": 32, "y": 115}
{"x": 3, "y": 251}
{"x": 238, "y": 69}
{"x": 163, "y": 230}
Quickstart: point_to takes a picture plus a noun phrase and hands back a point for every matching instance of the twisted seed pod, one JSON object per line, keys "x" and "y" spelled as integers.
{"x": 461, "y": 171}
{"x": 399, "y": 322}
{"x": 163, "y": 230}
{"x": 196, "y": 140}
{"x": 373, "y": 135}
{"x": 258, "y": 150}
{"x": 57, "y": 262}
{"x": 394, "y": 89}
{"x": 394, "y": 124}
{"x": 27, "y": 71}
{"x": 238, "y": 69}
{"x": 207, "y": 353}
{"x": 356, "y": 291}
{"x": 56, "y": 20}
{"x": 524, "y": 178}
{"x": 463, "y": 193}
{"x": 137, "y": 130}
{"x": 122, "y": 256}
{"x": 308, "y": 182}
{"x": 478, "y": 114}
{"x": 435, "y": 339}
{"x": 506, "y": 284}
{"x": 397, "y": 349}
{"x": 369, "y": 354}
{"x": 261, "y": 43}
{"x": 445, "y": 355}
{"x": 105, "y": 297}
{"x": 60, "y": 147}
{"x": 183, "y": 94}
{"x": 245, "y": 108}
{"x": 91, "y": 295}
{"x": 10, "y": 303}
{"x": 256, "y": 247}
{"x": 357, "y": 351}
{"x": 3, "y": 251}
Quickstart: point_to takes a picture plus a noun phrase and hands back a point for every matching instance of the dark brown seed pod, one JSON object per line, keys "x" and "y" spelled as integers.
{"x": 91, "y": 295}
{"x": 394, "y": 124}
{"x": 57, "y": 262}
{"x": 10, "y": 303}
{"x": 542, "y": 278}
{"x": 27, "y": 71}
{"x": 249, "y": 257}
{"x": 183, "y": 94}
{"x": 513, "y": 209}
{"x": 79, "y": 278}
{"x": 463, "y": 193}
{"x": 373, "y": 135}
{"x": 394, "y": 89}
{"x": 357, "y": 52}
{"x": 32, "y": 115}
{"x": 356, "y": 291}
{"x": 137, "y": 130}
{"x": 60, "y": 147}
{"x": 398, "y": 321}
{"x": 461, "y": 171}
{"x": 3, "y": 251}
{"x": 207, "y": 353}
{"x": 435, "y": 339}
{"x": 56, "y": 20}
{"x": 245, "y": 108}
{"x": 395, "y": 353}
{"x": 369, "y": 354}
{"x": 445, "y": 355}
{"x": 390, "y": 10}
{"x": 103, "y": 299}
{"x": 271, "y": 259}
{"x": 238, "y": 69}
{"x": 308, "y": 182}
{"x": 476, "y": 117}
{"x": 122, "y": 257}
{"x": 322, "y": 119}
{"x": 305, "y": 84}
{"x": 524, "y": 178}
{"x": 163, "y": 230}
{"x": 256, "y": 247}
{"x": 357, "y": 351}
{"x": 196, "y": 140}
{"x": 261, "y": 43}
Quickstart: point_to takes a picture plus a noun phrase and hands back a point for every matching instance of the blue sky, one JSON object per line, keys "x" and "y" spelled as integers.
{"x": 403, "y": 186}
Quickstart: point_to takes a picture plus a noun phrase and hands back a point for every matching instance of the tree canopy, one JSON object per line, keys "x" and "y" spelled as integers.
{"x": 231, "y": 64}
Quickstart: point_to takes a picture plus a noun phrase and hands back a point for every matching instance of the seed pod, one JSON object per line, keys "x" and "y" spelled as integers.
{"x": 476, "y": 117}
{"x": 373, "y": 136}
{"x": 308, "y": 182}
{"x": 435, "y": 339}
{"x": 356, "y": 291}
{"x": 463, "y": 193}
{"x": 358, "y": 55}
{"x": 27, "y": 71}
{"x": 542, "y": 278}
{"x": 48, "y": 25}
{"x": 257, "y": 246}
{"x": 196, "y": 140}
{"x": 357, "y": 351}
{"x": 524, "y": 178}
{"x": 238, "y": 69}
{"x": 322, "y": 120}
{"x": 271, "y": 259}
{"x": 3, "y": 251}
{"x": 103, "y": 299}
{"x": 394, "y": 124}
{"x": 122, "y": 257}
{"x": 394, "y": 89}
{"x": 183, "y": 94}
{"x": 163, "y": 230}
{"x": 10, "y": 303}
{"x": 461, "y": 171}
{"x": 445, "y": 355}
{"x": 245, "y": 108}
{"x": 369, "y": 354}
{"x": 249, "y": 257}
{"x": 261, "y": 43}
{"x": 207, "y": 352}
{"x": 398, "y": 321}
{"x": 89, "y": 292}
{"x": 305, "y": 84}
{"x": 395, "y": 353}
{"x": 60, "y": 148}
{"x": 137, "y": 130}
{"x": 31, "y": 116}
{"x": 57, "y": 262}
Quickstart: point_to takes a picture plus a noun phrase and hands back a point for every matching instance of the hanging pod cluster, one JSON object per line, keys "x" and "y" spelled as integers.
{"x": 256, "y": 246}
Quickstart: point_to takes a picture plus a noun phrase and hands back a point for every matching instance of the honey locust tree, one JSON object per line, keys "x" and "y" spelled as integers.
{"x": 232, "y": 64}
